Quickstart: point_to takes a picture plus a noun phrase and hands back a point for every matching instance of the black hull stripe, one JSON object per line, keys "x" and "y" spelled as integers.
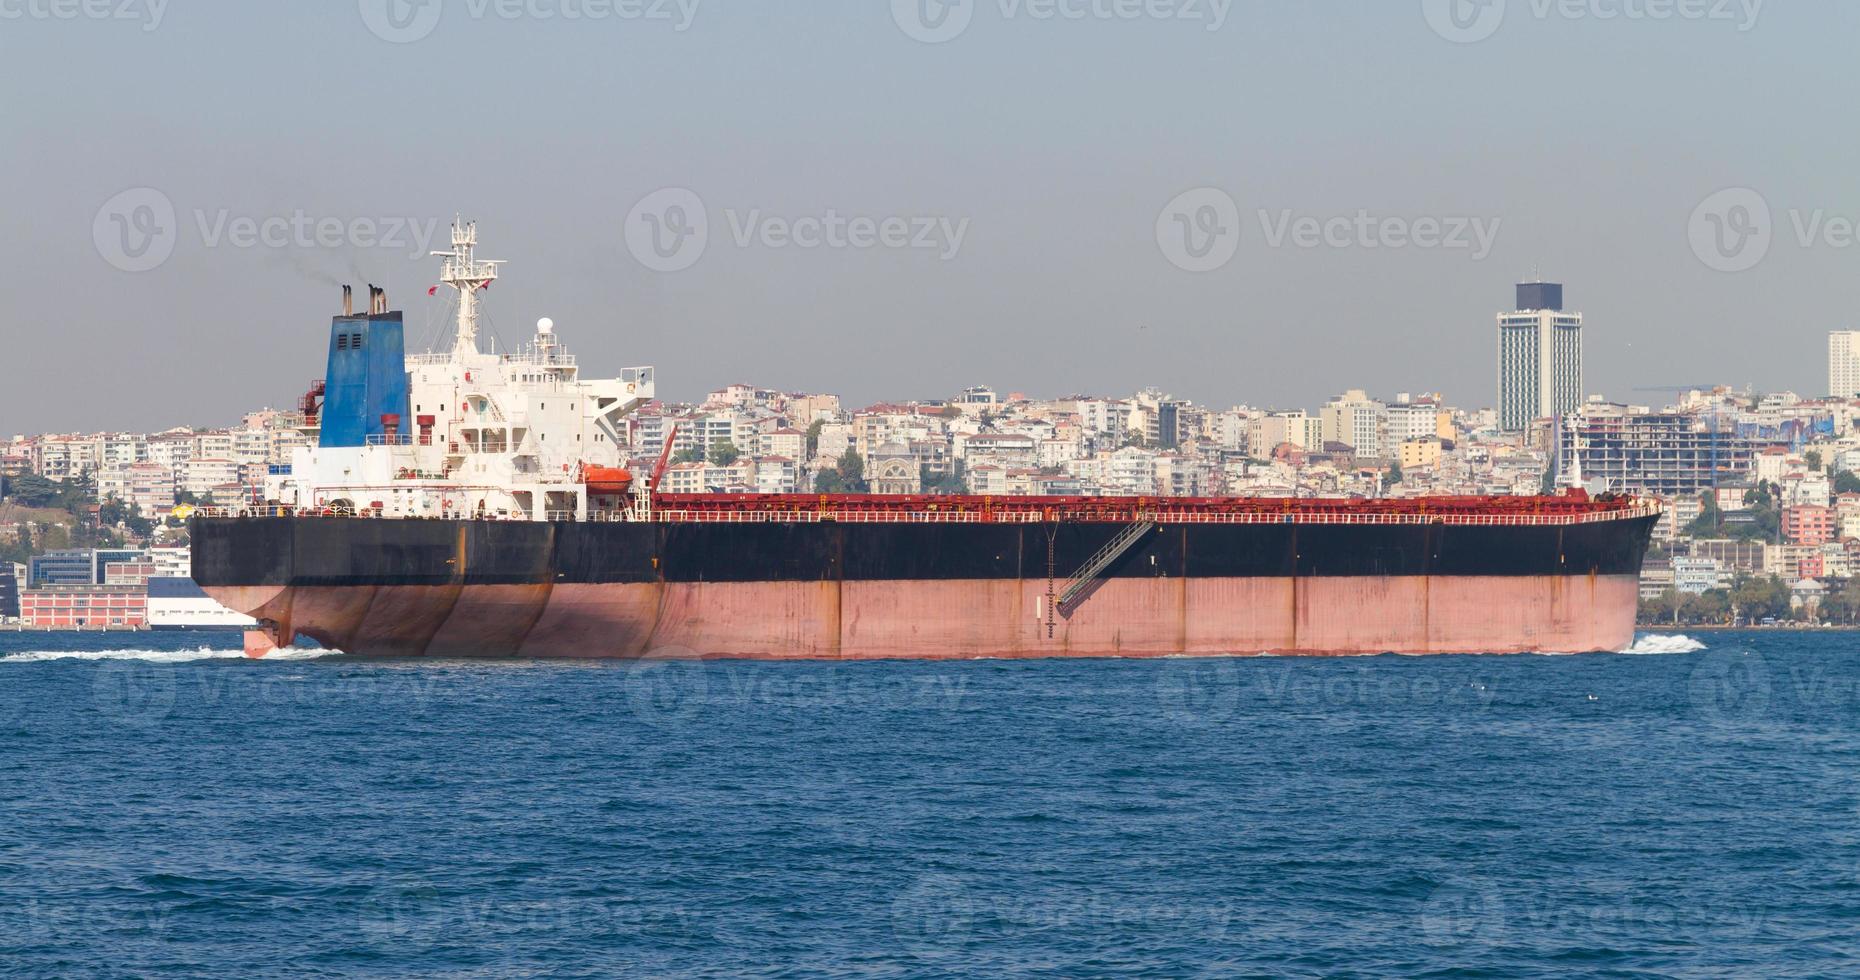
{"x": 339, "y": 552}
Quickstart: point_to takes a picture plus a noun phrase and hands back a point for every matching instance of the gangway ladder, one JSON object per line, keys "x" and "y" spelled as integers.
{"x": 1083, "y": 579}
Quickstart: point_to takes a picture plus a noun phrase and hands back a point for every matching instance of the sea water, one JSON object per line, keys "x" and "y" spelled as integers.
{"x": 1689, "y": 807}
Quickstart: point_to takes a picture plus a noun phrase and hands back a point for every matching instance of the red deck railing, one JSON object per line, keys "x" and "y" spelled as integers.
{"x": 1574, "y": 508}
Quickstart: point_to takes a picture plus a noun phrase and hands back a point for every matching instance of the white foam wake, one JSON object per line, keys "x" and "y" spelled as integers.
{"x": 150, "y": 656}
{"x": 157, "y": 656}
{"x": 1658, "y": 644}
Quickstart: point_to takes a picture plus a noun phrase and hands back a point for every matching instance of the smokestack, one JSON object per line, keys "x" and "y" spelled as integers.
{"x": 384, "y": 300}
{"x": 348, "y": 301}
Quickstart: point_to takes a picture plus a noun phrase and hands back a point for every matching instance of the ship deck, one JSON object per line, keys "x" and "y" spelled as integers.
{"x": 1570, "y": 509}
{"x": 868, "y": 508}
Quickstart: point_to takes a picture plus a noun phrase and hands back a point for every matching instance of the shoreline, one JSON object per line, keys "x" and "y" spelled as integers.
{"x": 15, "y": 628}
{"x": 1797, "y": 628}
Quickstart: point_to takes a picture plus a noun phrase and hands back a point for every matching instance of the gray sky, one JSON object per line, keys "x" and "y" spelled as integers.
{"x": 1054, "y": 145}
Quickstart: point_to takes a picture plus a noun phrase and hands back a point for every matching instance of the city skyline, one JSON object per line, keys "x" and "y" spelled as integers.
{"x": 1653, "y": 398}
{"x": 905, "y": 233}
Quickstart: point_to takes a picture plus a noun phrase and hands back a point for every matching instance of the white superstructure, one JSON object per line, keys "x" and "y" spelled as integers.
{"x": 491, "y": 434}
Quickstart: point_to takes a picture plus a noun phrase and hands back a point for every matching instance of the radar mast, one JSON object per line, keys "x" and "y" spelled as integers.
{"x": 467, "y": 274}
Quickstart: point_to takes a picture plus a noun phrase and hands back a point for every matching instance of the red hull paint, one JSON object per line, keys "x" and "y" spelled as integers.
{"x": 958, "y": 619}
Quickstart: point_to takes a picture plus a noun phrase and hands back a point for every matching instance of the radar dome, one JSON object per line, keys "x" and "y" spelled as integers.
{"x": 545, "y": 325}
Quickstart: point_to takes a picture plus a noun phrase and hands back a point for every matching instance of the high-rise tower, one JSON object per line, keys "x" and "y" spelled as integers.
{"x": 1539, "y": 358}
{"x": 1844, "y": 363}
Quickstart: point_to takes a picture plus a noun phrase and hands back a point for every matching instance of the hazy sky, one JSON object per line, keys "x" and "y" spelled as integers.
{"x": 1041, "y": 158}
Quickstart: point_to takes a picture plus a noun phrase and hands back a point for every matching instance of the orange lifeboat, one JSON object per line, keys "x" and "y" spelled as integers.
{"x": 607, "y": 481}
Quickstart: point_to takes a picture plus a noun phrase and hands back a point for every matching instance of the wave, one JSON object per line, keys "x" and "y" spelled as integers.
{"x": 1660, "y": 644}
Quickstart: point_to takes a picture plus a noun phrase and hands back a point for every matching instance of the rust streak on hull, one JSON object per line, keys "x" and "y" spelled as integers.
{"x": 860, "y": 620}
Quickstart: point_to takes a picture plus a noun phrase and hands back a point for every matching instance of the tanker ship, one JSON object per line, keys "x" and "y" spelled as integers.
{"x": 467, "y": 503}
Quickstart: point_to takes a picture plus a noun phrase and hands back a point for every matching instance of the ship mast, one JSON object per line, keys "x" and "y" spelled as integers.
{"x": 467, "y": 274}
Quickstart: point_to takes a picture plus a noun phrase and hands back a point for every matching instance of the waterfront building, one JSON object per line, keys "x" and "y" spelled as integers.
{"x": 1680, "y": 512}
{"x": 64, "y": 458}
{"x": 777, "y": 474}
{"x": 84, "y": 607}
{"x": 893, "y": 470}
{"x": 1844, "y": 363}
{"x": 171, "y": 562}
{"x": 60, "y": 568}
{"x": 1356, "y": 420}
{"x": 119, "y": 449}
{"x": 171, "y": 449}
{"x": 1539, "y": 358}
{"x": 1422, "y": 418}
{"x": 1162, "y": 418}
{"x": 1656, "y": 578}
{"x": 203, "y": 476}
{"x": 1770, "y": 464}
{"x": 1808, "y": 524}
{"x": 147, "y": 486}
{"x": 784, "y": 442}
{"x": 129, "y": 572}
{"x": 1276, "y": 429}
{"x": 1805, "y": 596}
{"x": 704, "y": 434}
{"x": 988, "y": 479}
{"x": 1111, "y": 419}
{"x": 1697, "y": 576}
{"x": 1807, "y": 487}
{"x": 1847, "y": 516}
{"x": 1419, "y": 454}
{"x": 979, "y": 400}
{"x": 75, "y": 567}
{"x": 1662, "y": 454}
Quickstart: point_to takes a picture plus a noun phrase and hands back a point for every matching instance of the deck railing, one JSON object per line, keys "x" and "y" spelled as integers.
{"x": 1159, "y": 515}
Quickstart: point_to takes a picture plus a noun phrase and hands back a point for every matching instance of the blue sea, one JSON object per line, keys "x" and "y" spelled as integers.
{"x": 1689, "y": 808}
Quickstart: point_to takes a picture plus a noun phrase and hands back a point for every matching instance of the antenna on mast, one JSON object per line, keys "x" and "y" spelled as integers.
{"x": 468, "y": 274}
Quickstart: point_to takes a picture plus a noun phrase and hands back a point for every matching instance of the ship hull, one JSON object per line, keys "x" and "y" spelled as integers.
{"x": 960, "y": 620}
{"x": 877, "y": 591}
